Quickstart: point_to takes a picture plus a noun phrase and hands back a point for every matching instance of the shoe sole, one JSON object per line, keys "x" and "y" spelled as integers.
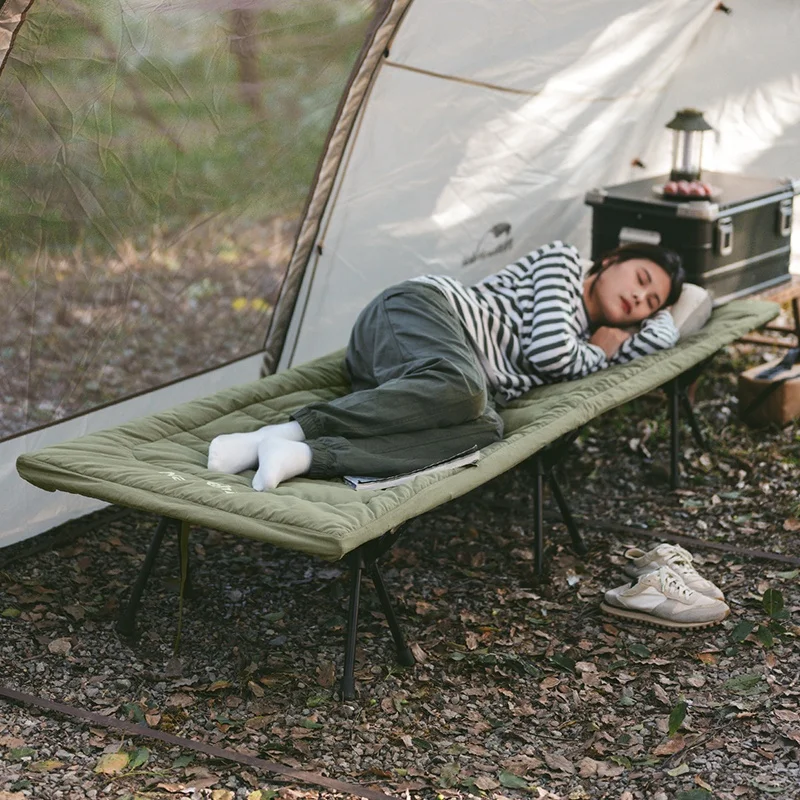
{"x": 659, "y": 622}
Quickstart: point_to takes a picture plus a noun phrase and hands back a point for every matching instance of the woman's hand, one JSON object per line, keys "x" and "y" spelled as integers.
{"x": 609, "y": 340}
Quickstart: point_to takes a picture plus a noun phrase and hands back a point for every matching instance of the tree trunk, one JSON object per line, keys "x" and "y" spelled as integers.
{"x": 244, "y": 47}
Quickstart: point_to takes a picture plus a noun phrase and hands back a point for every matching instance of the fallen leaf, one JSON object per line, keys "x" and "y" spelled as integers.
{"x": 255, "y": 688}
{"x": 138, "y": 757}
{"x": 670, "y": 746}
{"x": 661, "y": 695}
{"x": 512, "y": 781}
{"x": 199, "y": 784}
{"x": 587, "y": 767}
{"x": 326, "y": 674}
{"x": 222, "y": 794}
{"x": 180, "y": 700}
{"x": 558, "y": 762}
{"x": 19, "y": 753}
{"x": 60, "y": 647}
{"x": 112, "y": 763}
{"x": 46, "y": 766}
{"x": 791, "y": 524}
{"x": 11, "y": 741}
{"x": 419, "y": 654}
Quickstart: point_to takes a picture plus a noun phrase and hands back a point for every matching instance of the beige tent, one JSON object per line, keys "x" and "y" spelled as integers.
{"x": 467, "y": 133}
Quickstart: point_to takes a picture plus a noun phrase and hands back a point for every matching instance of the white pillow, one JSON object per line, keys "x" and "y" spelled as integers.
{"x": 692, "y": 309}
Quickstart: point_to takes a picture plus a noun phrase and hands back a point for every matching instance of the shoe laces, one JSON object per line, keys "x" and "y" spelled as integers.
{"x": 672, "y": 584}
{"x": 681, "y": 560}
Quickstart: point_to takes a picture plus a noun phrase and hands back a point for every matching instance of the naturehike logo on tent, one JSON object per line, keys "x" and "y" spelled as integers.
{"x": 496, "y": 240}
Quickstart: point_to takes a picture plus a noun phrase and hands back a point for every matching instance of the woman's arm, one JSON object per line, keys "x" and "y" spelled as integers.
{"x": 554, "y": 348}
{"x": 656, "y": 333}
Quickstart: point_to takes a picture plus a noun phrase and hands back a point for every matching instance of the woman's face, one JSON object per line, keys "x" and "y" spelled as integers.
{"x": 626, "y": 292}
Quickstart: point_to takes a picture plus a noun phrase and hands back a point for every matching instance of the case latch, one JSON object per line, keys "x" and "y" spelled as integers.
{"x": 725, "y": 236}
{"x": 785, "y": 217}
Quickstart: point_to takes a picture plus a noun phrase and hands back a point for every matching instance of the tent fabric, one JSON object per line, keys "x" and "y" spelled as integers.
{"x": 12, "y": 14}
{"x": 155, "y": 158}
{"x": 485, "y": 117}
{"x": 158, "y": 463}
{"x": 468, "y": 133}
{"x": 330, "y": 164}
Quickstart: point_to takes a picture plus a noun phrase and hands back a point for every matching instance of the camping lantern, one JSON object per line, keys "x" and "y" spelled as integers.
{"x": 688, "y": 128}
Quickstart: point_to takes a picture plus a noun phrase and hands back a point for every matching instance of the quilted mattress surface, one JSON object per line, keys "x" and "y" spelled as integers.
{"x": 158, "y": 463}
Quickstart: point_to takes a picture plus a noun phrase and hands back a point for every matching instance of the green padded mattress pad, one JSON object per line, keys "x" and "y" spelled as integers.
{"x": 158, "y": 463}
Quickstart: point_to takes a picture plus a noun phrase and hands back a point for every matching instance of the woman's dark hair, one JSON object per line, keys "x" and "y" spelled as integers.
{"x": 667, "y": 259}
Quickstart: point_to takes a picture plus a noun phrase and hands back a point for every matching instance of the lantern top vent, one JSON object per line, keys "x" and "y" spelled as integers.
{"x": 689, "y": 119}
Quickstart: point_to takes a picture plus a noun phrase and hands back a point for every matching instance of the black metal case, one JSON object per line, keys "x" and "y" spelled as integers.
{"x": 737, "y": 242}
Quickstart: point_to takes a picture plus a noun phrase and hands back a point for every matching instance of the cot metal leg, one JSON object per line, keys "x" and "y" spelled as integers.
{"x": 348, "y": 684}
{"x": 538, "y": 517}
{"x": 126, "y": 625}
{"x": 796, "y": 314}
{"x": 673, "y": 394}
{"x": 578, "y": 545}
{"x": 404, "y": 654}
{"x": 693, "y": 424}
{"x": 188, "y": 588}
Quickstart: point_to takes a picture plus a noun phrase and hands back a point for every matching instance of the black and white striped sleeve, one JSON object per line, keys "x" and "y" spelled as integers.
{"x": 656, "y": 333}
{"x": 554, "y": 347}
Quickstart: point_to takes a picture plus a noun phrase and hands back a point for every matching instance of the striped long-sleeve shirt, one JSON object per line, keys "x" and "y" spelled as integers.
{"x": 529, "y": 324}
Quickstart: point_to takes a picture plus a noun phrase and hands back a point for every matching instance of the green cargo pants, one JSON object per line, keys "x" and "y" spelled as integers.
{"x": 419, "y": 393}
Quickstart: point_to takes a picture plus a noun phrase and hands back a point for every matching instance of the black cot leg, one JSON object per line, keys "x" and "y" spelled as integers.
{"x": 126, "y": 625}
{"x": 578, "y": 545}
{"x": 348, "y": 684}
{"x": 186, "y": 579}
{"x": 538, "y": 518}
{"x": 404, "y": 654}
{"x": 673, "y": 394}
{"x": 689, "y": 412}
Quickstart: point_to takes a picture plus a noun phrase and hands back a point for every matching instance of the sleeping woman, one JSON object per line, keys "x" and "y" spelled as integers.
{"x": 430, "y": 360}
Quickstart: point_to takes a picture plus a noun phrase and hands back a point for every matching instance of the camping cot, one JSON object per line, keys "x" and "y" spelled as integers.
{"x": 158, "y": 463}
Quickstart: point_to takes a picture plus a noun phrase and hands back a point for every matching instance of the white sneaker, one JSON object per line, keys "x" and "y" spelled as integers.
{"x": 662, "y": 598}
{"x": 677, "y": 559}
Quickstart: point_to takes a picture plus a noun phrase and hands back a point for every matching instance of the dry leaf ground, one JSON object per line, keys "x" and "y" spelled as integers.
{"x": 522, "y": 688}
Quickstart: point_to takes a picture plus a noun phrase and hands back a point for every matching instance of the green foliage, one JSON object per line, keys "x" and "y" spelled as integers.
{"x": 640, "y": 650}
{"x": 113, "y": 120}
{"x": 676, "y": 717}
{"x": 772, "y": 602}
{"x": 747, "y": 684}
{"x": 512, "y": 781}
{"x": 766, "y": 630}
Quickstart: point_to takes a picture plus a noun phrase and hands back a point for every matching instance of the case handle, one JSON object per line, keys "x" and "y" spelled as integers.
{"x": 725, "y": 236}
{"x": 785, "y": 217}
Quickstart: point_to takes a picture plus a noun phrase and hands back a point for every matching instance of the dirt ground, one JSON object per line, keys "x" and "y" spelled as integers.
{"x": 522, "y": 688}
{"x": 82, "y": 329}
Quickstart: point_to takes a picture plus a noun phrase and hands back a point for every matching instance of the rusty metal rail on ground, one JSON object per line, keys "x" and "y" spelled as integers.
{"x": 133, "y": 729}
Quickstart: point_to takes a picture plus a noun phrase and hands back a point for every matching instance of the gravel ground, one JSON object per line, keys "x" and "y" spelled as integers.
{"x": 521, "y": 688}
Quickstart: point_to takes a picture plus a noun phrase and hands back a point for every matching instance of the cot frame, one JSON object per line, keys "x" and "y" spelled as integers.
{"x": 364, "y": 559}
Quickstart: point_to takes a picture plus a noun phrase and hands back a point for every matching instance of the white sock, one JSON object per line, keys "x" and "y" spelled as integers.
{"x": 279, "y": 460}
{"x": 236, "y": 452}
